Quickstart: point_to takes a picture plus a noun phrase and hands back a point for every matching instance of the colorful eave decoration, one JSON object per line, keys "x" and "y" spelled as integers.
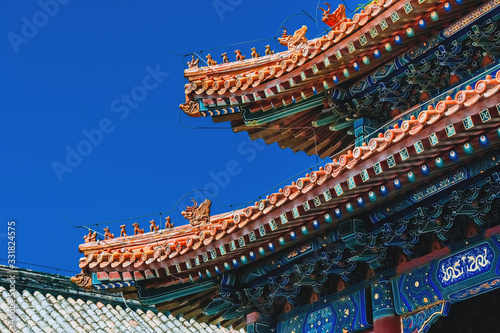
{"x": 262, "y": 90}
{"x": 432, "y": 139}
{"x": 265, "y": 82}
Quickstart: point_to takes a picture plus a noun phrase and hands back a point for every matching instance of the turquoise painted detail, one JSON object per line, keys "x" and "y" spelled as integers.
{"x": 347, "y": 314}
{"x": 261, "y": 118}
{"x": 411, "y": 177}
{"x": 450, "y": 130}
{"x": 468, "y": 149}
{"x": 419, "y": 147}
{"x": 438, "y": 186}
{"x": 273, "y": 225}
{"x": 351, "y": 183}
{"x": 321, "y": 320}
{"x": 338, "y": 190}
{"x": 468, "y": 123}
{"x": 404, "y": 154}
{"x": 439, "y": 162}
{"x": 415, "y": 290}
{"x": 94, "y": 278}
{"x": 391, "y": 161}
{"x": 364, "y": 175}
{"x": 283, "y": 259}
{"x": 485, "y": 115}
{"x": 382, "y": 299}
{"x": 433, "y": 139}
{"x": 151, "y": 296}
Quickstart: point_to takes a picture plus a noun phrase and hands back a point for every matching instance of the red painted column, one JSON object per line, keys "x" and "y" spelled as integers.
{"x": 255, "y": 323}
{"x": 389, "y": 324}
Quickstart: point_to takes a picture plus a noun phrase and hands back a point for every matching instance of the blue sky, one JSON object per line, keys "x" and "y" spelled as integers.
{"x": 75, "y": 142}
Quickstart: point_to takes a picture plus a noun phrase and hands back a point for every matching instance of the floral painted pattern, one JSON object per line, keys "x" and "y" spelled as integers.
{"x": 320, "y": 321}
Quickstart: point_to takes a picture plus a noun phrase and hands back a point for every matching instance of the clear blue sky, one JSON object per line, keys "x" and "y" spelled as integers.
{"x": 66, "y": 76}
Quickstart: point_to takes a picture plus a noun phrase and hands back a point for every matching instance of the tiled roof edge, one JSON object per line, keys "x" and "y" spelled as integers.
{"x": 27, "y": 279}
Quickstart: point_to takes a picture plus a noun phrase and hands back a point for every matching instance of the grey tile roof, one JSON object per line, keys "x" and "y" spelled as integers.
{"x": 40, "y": 313}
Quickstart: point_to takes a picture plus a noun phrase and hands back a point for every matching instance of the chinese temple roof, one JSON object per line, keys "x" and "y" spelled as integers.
{"x": 308, "y": 96}
{"x": 362, "y": 179}
{"x": 84, "y": 311}
{"x": 354, "y": 175}
{"x": 438, "y": 107}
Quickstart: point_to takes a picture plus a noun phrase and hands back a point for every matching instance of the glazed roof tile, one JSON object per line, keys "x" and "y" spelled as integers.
{"x": 261, "y": 95}
{"x": 194, "y": 250}
{"x": 47, "y": 313}
{"x": 250, "y": 81}
{"x": 250, "y": 73}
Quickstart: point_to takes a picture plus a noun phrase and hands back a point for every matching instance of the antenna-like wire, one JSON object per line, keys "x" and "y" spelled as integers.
{"x": 43, "y": 266}
{"x": 160, "y": 213}
{"x": 347, "y": 7}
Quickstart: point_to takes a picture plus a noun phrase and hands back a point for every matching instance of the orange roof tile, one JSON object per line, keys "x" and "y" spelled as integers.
{"x": 181, "y": 245}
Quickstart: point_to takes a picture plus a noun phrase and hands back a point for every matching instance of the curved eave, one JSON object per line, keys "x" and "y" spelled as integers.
{"x": 333, "y": 186}
{"x": 318, "y": 67}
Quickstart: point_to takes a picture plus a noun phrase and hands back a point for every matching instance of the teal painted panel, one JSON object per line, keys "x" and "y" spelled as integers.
{"x": 346, "y": 314}
{"x": 467, "y": 272}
